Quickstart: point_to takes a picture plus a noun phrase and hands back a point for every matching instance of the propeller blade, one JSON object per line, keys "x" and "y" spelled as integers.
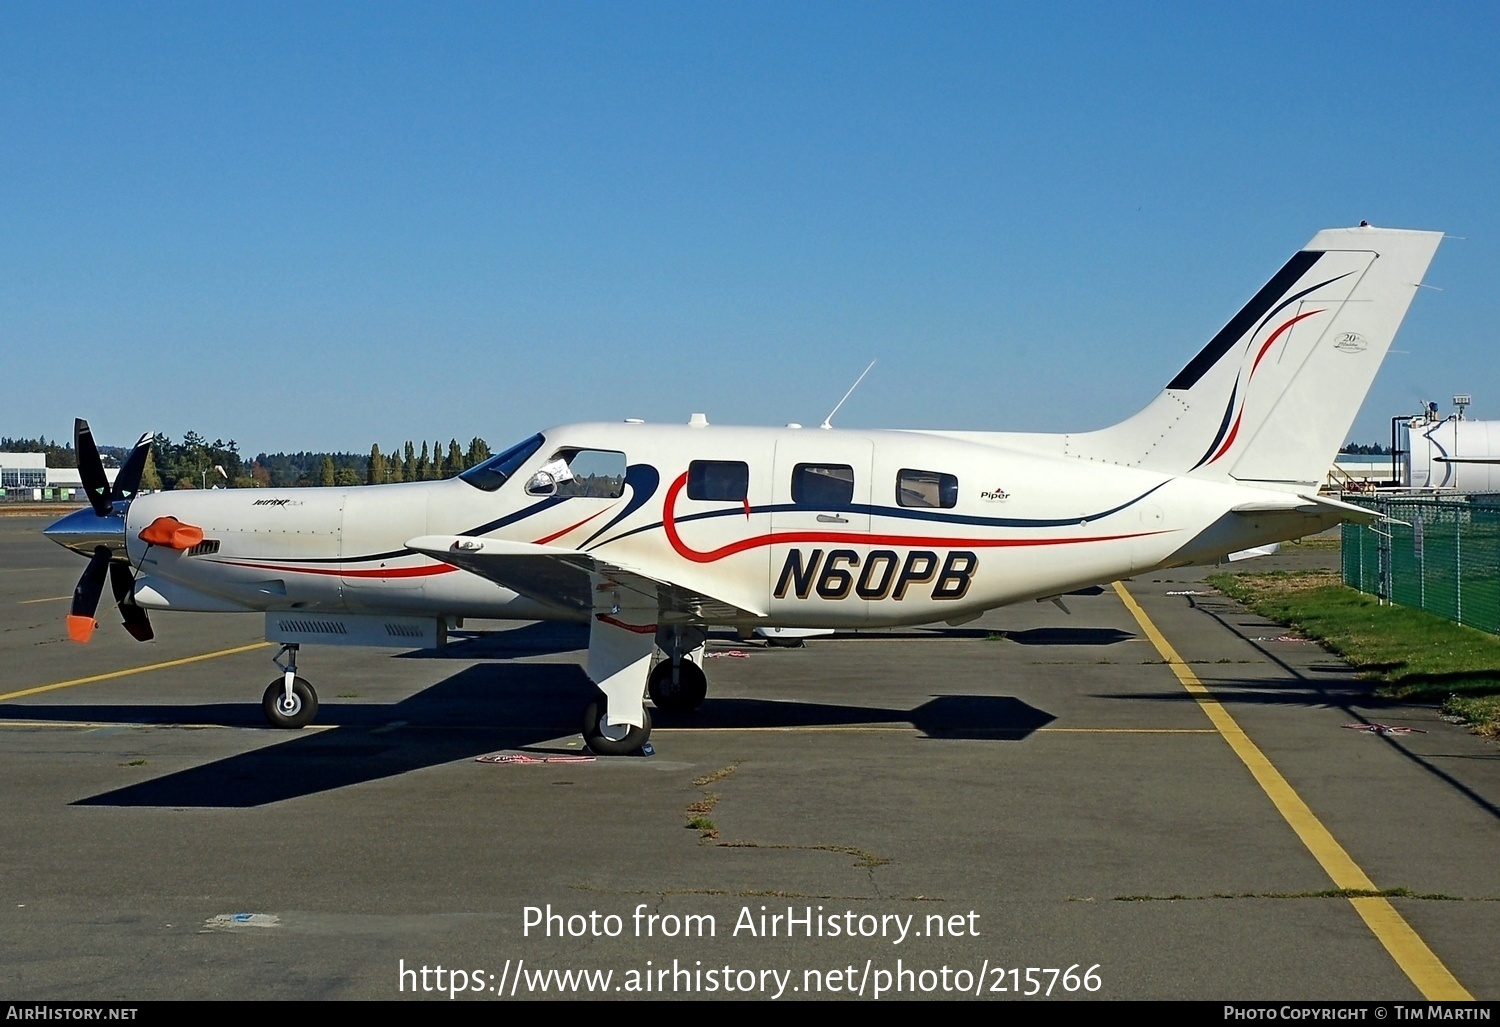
{"x": 91, "y": 471}
{"x": 136, "y": 622}
{"x": 128, "y": 481}
{"x": 81, "y": 623}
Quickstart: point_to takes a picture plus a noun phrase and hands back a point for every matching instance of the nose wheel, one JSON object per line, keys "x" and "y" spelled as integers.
{"x": 290, "y": 701}
{"x": 298, "y": 711}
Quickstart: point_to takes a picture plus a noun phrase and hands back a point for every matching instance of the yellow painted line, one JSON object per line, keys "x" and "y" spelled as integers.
{"x": 49, "y": 599}
{"x": 134, "y": 670}
{"x": 1410, "y": 952}
{"x": 89, "y": 725}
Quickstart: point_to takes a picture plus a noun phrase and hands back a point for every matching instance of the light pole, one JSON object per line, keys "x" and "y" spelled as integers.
{"x": 216, "y": 467}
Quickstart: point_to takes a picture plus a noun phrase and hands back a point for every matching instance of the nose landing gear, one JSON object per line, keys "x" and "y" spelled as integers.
{"x": 290, "y": 701}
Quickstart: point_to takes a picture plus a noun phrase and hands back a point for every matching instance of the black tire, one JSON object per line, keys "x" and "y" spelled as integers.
{"x": 304, "y": 704}
{"x": 614, "y": 743}
{"x": 773, "y": 642}
{"x": 683, "y": 697}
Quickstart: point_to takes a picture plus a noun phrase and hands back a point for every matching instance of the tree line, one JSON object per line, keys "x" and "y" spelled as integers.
{"x": 192, "y": 462}
{"x": 195, "y": 462}
{"x": 58, "y": 454}
{"x": 405, "y": 464}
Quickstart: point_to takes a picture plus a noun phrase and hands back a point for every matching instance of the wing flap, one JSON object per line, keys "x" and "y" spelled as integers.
{"x": 572, "y": 579}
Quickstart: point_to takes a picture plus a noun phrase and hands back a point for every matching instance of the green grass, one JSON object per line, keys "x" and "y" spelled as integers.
{"x": 1482, "y": 711}
{"x": 1411, "y": 653}
{"x": 1333, "y": 543}
{"x": 697, "y": 811}
{"x": 717, "y": 775}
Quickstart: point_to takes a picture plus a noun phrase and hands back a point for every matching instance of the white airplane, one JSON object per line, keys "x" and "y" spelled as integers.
{"x": 653, "y": 534}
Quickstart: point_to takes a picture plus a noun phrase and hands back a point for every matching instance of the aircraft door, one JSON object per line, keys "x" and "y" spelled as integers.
{"x": 821, "y": 520}
{"x": 376, "y": 524}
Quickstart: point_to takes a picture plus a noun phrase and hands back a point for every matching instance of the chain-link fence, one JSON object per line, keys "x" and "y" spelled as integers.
{"x": 1444, "y": 557}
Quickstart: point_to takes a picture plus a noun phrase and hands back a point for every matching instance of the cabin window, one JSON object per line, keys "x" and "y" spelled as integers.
{"x": 932, "y": 490}
{"x": 719, "y": 481}
{"x": 496, "y": 471}
{"x": 587, "y": 473}
{"x": 823, "y": 485}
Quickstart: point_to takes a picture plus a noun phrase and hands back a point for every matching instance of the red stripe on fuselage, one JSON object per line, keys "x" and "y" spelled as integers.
{"x": 343, "y": 572}
{"x": 669, "y": 525}
{"x": 559, "y": 534}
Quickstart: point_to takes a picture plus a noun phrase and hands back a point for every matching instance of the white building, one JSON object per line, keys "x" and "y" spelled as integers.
{"x": 23, "y": 470}
{"x": 27, "y": 476}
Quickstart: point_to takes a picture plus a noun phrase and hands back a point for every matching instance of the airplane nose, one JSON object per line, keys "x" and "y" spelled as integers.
{"x": 84, "y": 531}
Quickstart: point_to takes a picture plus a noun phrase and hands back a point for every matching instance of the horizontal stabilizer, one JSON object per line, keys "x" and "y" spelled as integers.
{"x": 1273, "y": 507}
{"x": 1310, "y": 506}
{"x": 1249, "y": 554}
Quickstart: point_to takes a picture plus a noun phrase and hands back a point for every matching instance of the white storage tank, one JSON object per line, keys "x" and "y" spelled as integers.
{"x": 1450, "y": 454}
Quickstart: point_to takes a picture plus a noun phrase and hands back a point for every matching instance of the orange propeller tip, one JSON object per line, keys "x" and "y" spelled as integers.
{"x": 81, "y": 628}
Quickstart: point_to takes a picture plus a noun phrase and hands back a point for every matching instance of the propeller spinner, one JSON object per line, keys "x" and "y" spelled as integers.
{"x": 99, "y": 534}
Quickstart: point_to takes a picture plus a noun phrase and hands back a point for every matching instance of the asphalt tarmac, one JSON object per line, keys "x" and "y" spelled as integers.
{"x": 1035, "y": 791}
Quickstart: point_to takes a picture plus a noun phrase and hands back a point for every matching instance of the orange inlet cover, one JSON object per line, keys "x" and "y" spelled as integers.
{"x": 171, "y": 533}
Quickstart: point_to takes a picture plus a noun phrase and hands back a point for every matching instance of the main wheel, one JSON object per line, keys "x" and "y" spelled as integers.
{"x": 615, "y": 739}
{"x": 299, "y": 712}
{"x": 683, "y": 697}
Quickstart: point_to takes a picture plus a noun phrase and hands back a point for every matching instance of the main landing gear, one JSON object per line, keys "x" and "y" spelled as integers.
{"x": 290, "y": 701}
{"x": 613, "y": 739}
{"x": 677, "y": 687}
{"x": 678, "y": 684}
{"x": 623, "y": 644}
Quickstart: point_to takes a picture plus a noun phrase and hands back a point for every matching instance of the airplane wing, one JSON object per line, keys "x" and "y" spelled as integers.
{"x": 569, "y": 578}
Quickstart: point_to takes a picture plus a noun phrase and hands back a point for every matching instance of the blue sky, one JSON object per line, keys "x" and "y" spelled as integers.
{"x": 321, "y": 226}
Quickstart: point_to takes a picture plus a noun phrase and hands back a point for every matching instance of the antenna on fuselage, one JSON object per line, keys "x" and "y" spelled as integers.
{"x": 828, "y": 421}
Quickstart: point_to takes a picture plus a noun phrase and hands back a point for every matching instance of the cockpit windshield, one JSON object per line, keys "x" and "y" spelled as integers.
{"x": 496, "y": 471}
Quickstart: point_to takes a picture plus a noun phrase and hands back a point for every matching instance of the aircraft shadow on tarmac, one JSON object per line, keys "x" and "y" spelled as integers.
{"x": 1068, "y": 636}
{"x": 1353, "y": 696}
{"x": 478, "y": 710}
{"x": 1331, "y": 692}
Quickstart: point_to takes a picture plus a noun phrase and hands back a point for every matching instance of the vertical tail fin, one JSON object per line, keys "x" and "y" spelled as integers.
{"x": 1271, "y": 397}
